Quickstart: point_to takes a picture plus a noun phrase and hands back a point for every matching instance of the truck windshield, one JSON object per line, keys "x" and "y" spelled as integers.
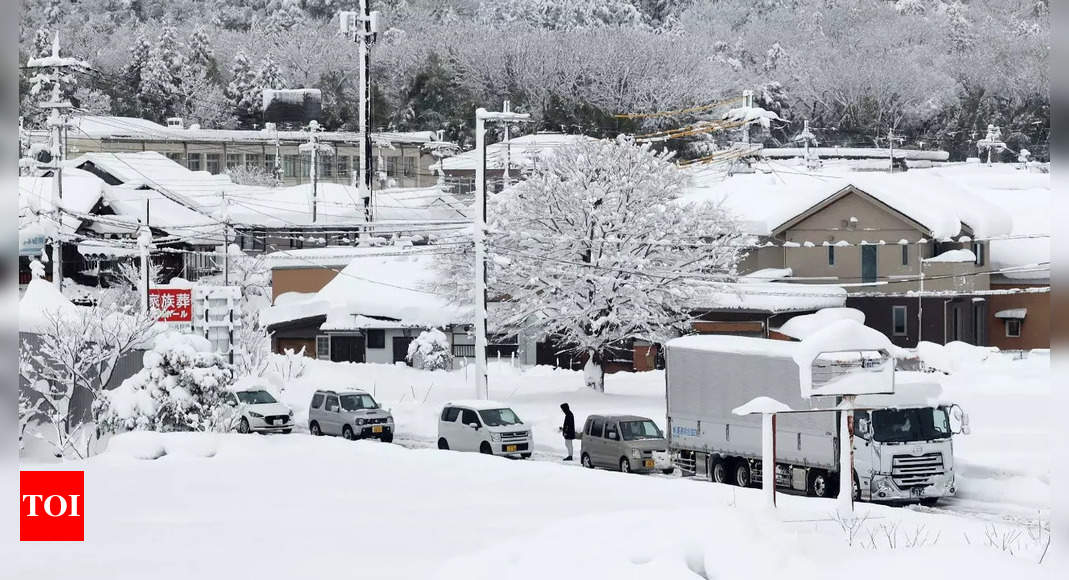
{"x": 632, "y": 430}
{"x": 898, "y": 425}
{"x": 499, "y": 417}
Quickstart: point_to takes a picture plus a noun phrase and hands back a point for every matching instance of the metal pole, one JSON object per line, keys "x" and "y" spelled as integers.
{"x": 144, "y": 239}
{"x": 846, "y": 456}
{"x": 507, "y": 107}
{"x": 480, "y": 256}
{"x": 363, "y": 38}
{"x": 891, "y": 147}
{"x": 768, "y": 458}
{"x": 314, "y": 172}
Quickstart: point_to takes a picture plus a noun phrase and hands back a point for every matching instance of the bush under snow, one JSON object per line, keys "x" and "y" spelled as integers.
{"x": 179, "y": 389}
{"x": 430, "y": 351}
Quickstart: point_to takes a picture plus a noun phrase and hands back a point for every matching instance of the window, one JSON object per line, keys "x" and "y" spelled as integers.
{"x": 978, "y": 249}
{"x": 1013, "y": 328}
{"x": 391, "y": 166}
{"x": 233, "y": 160}
{"x": 323, "y": 347}
{"x": 317, "y": 400}
{"x": 343, "y": 165}
{"x": 212, "y": 163}
{"x": 596, "y": 427}
{"x": 290, "y": 165}
{"x": 376, "y": 338}
{"x": 409, "y": 166}
{"x": 611, "y": 432}
{"x": 898, "y": 317}
{"x": 332, "y": 402}
{"x": 450, "y": 414}
{"x": 326, "y": 165}
{"x": 905, "y": 255}
{"x": 831, "y": 255}
{"x": 193, "y": 162}
{"x": 269, "y": 163}
{"x": 259, "y": 240}
{"x": 252, "y": 161}
{"x": 467, "y": 417}
{"x": 296, "y": 242}
{"x": 176, "y": 157}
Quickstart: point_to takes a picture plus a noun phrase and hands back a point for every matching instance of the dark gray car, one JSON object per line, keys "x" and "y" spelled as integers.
{"x": 629, "y": 443}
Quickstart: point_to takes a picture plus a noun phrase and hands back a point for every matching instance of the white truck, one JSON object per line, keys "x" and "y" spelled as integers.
{"x": 902, "y": 446}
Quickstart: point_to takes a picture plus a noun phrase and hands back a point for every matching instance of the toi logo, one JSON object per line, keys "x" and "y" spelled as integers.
{"x": 52, "y": 506}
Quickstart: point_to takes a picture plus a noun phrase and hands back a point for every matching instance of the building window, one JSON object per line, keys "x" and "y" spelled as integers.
{"x": 409, "y": 166}
{"x": 905, "y": 255}
{"x": 898, "y": 320}
{"x": 290, "y": 165}
{"x": 323, "y": 347}
{"x": 296, "y": 243}
{"x": 176, "y": 157}
{"x": 831, "y": 255}
{"x": 343, "y": 165}
{"x": 269, "y": 163}
{"x": 252, "y": 161}
{"x": 193, "y": 162}
{"x": 233, "y": 160}
{"x": 212, "y": 163}
{"x": 978, "y": 249}
{"x": 376, "y": 338}
{"x": 326, "y": 166}
{"x": 1013, "y": 328}
{"x": 391, "y": 166}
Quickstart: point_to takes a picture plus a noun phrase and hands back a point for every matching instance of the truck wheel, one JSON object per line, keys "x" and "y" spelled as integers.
{"x": 718, "y": 471}
{"x": 625, "y": 465}
{"x": 347, "y": 432}
{"x": 585, "y": 460}
{"x": 742, "y": 473}
{"x": 819, "y": 484}
{"x": 442, "y": 443}
{"x": 485, "y": 449}
{"x": 314, "y": 428}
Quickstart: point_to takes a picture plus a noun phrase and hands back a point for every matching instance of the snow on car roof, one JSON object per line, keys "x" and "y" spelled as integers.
{"x": 477, "y": 404}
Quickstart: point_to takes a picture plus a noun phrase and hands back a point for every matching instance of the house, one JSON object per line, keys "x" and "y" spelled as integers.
{"x": 916, "y": 250}
{"x": 518, "y": 154}
{"x": 400, "y": 159}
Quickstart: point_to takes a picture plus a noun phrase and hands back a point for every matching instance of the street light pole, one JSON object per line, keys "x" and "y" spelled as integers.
{"x": 481, "y": 117}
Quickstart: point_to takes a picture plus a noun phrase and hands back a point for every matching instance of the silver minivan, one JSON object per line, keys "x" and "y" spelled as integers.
{"x": 353, "y": 414}
{"x": 628, "y": 443}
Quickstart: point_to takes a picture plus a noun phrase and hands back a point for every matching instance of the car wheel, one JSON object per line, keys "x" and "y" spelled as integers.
{"x": 442, "y": 443}
{"x": 243, "y": 426}
{"x": 347, "y": 432}
{"x": 718, "y": 472}
{"x": 625, "y": 465}
{"x": 525, "y": 455}
{"x": 287, "y": 431}
{"x": 668, "y": 471}
{"x": 930, "y": 501}
{"x": 585, "y": 460}
{"x": 388, "y": 438}
{"x": 819, "y": 484}
{"x": 742, "y": 473}
{"x": 486, "y": 449}
{"x": 314, "y": 429}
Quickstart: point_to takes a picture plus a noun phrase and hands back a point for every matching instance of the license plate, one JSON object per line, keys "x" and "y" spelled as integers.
{"x": 649, "y": 463}
{"x": 376, "y": 429}
{"x": 916, "y": 491}
{"x": 510, "y": 448}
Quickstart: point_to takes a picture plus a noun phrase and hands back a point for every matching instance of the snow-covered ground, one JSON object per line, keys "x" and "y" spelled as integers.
{"x": 217, "y": 505}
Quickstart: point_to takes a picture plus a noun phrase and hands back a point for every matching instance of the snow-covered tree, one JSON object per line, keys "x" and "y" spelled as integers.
{"x": 179, "y": 389}
{"x": 200, "y": 55}
{"x": 161, "y": 76}
{"x": 241, "y": 93}
{"x": 596, "y": 249}
{"x": 430, "y": 351}
{"x": 130, "y": 76}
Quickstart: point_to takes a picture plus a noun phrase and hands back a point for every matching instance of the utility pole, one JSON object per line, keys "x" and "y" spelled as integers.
{"x": 507, "y": 108}
{"x": 315, "y": 147}
{"x": 747, "y": 102}
{"x": 226, "y": 240}
{"x": 992, "y": 142}
{"x": 363, "y": 28}
{"x": 481, "y": 117}
{"x": 57, "y": 123}
{"x": 144, "y": 242}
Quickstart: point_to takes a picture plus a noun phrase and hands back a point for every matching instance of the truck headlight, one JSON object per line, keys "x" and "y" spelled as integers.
{"x": 255, "y": 414}
{"x": 360, "y": 421}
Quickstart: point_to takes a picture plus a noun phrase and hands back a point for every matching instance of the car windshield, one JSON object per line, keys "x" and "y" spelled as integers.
{"x": 499, "y": 417}
{"x": 897, "y": 425}
{"x": 255, "y": 397}
{"x": 358, "y": 402}
{"x": 632, "y": 430}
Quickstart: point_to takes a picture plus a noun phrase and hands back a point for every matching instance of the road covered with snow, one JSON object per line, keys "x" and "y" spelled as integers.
{"x": 215, "y": 505}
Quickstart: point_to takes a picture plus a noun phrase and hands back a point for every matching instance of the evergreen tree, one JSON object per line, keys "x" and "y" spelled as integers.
{"x": 129, "y": 102}
{"x": 161, "y": 77}
{"x": 241, "y": 93}
{"x": 201, "y": 55}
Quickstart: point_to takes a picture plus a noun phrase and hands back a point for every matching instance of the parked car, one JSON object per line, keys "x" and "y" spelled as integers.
{"x": 484, "y": 426}
{"x": 257, "y": 411}
{"x": 628, "y": 443}
{"x": 353, "y": 414}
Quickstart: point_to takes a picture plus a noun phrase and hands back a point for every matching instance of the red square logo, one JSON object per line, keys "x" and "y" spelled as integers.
{"x": 52, "y": 506}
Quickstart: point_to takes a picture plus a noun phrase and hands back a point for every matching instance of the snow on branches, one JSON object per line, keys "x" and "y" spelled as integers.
{"x": 588, "y": 249}
{"x": 430, "y": 351}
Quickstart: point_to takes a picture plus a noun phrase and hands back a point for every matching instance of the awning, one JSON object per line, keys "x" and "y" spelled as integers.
{"x": 1017, "y": 313}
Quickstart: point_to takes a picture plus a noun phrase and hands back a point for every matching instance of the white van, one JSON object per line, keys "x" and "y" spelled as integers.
{"x": 484, "y": 426}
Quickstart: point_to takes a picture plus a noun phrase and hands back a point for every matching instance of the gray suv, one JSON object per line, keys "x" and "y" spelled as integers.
{"x": 353, "y": 414}
{"x": 625, "y": 442}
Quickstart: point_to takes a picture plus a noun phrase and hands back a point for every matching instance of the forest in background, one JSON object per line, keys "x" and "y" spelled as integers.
{"x": 937, "y": 71}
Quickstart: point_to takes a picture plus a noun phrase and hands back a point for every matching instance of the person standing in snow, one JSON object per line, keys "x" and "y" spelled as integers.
{"x": 568, "y": 429}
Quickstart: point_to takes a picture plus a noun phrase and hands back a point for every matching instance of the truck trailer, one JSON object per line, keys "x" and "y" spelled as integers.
{"x": 902, "y": 444}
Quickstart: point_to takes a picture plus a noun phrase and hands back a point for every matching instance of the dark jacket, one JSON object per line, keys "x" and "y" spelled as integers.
{"x": 569, "y": 422}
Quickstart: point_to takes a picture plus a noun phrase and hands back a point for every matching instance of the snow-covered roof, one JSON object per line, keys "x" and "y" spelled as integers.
{"x": 522, "y": 151}
{"x": 853, "y": 153}
{"x": 1018, "y": 313}
{"x": 157, "y": 171}
{"x": 41, "y": 302}
{"x": 107, "y": 127}
{"x": 806, "y": 324}
{"x": 477, "y": 404}
{"x": 81, "y": 192}
{"x": 734, "y": 344}
{"x": 766, "y": 275}
{"x": 376, "y": 285}
{"x": 765, "y": 296}
{"x": 954, "y": 256}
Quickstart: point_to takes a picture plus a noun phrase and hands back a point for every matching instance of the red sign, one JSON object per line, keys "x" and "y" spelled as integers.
{"x": 51, "y": 506}
{"x": 177, "y": 303}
